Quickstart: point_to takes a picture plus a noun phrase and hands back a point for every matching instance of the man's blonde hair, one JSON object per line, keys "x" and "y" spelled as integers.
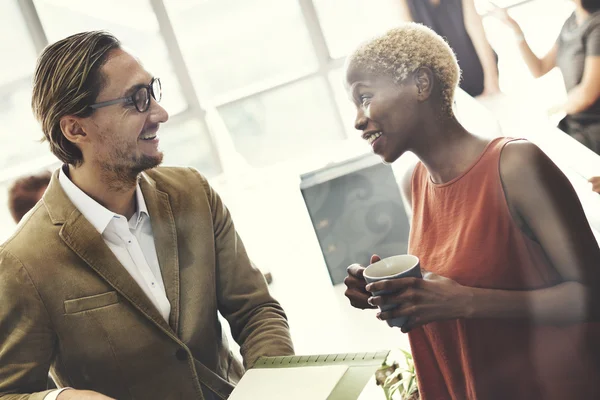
{"x": 401, "y": 51}
{"x": 67, "y": 81}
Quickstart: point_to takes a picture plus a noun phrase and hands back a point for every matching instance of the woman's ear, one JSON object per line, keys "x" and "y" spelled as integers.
{"x": 72, "y": 129}
{"x": 424, "y": 82}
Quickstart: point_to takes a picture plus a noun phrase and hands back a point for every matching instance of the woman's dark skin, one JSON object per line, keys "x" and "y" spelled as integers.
{"x": 541, "y": 200}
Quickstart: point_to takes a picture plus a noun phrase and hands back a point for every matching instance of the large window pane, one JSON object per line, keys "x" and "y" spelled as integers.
{"x": 346, "y": 23}
{"x": 231, "y": 44}
{"x": 296, "y": 120}
{"x": 20, "y": 133}
{"x": 187, "y": 144}
{"x": 132, "y": 21}
{"x": 15, "y": 44}
{"x": 346, "y": 107}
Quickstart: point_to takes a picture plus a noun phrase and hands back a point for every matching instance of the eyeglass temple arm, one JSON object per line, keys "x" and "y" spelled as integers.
{"x": 110, "y": 102}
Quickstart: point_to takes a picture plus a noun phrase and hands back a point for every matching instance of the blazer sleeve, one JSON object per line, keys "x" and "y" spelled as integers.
{"x": 258, "y": 323}
{"x": 26, "y": 337}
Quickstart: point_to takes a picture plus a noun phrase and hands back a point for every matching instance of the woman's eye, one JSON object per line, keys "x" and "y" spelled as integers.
{"x": 364, "y": 99}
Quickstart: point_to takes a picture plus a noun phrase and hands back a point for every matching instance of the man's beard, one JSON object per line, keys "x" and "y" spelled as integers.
{"x": 124, "y": 175}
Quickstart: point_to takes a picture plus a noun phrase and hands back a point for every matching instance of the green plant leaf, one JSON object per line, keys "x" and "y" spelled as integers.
{"x": 403, "y": 380}
{"x": 397, "y": 387}
{"x": 406, "y": 354}
{"x": 411, "y": 385}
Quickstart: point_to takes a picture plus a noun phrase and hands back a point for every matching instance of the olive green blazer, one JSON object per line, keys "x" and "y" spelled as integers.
{"x": 67, "y": 305}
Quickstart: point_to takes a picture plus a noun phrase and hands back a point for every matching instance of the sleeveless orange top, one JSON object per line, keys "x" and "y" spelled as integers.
{"x": 463, "y": 230}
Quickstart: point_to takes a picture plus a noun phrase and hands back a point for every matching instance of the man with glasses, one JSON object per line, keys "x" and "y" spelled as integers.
{"x": 140, "y": 97}
{"x": 115, "y": 279}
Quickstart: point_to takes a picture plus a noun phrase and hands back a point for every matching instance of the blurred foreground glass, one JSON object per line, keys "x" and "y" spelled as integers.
{"x": 346, "y": 23}
{"x": 19, "y": 131}
{"x": 187, "y": 144}
{"x": 345, "y": 105}
{"x": 232, "y": 44}
{"x": 280, "y": 125}
{"x": 15, "y": 45}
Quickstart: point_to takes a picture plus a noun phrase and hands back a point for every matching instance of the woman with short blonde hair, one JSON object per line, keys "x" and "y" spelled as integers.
{"x": 509, "y": 306}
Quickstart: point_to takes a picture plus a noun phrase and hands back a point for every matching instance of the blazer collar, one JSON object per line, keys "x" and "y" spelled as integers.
{"x": 165, "y": 241}
{"x": 83, "y": 238}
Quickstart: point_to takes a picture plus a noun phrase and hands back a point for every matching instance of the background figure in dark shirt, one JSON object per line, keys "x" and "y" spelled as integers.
{"x": 458, "y": 22}
{"x": 25, "y": 192}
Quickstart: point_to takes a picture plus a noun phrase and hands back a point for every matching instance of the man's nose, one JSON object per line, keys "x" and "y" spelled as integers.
{"x": 158, "y": 113}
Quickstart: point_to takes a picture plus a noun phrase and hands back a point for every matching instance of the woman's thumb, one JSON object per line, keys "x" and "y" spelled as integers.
{"x": 375, "y": 258}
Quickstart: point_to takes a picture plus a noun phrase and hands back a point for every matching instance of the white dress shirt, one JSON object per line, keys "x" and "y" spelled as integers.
{"x": 132, "y": 242}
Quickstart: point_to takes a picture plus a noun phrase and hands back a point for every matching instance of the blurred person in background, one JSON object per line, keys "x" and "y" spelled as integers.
{"x": 115, "y": 280}
{"x": 509, "y": 303}
{"x": 458, "y": 22}
{"x": 576, "y": 53}
{"x": 25, "y": 192}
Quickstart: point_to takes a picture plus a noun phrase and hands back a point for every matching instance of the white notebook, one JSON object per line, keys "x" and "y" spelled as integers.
{"x": 293, "y": 383}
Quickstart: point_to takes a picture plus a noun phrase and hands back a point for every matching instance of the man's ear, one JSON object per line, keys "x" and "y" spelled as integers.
{"x": 424, "y": 82}
{"x": 72, "y": 129}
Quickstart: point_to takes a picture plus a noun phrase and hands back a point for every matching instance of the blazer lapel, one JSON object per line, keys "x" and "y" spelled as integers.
{"x": 165, "y": 240}
{"x": 88, "y": 244}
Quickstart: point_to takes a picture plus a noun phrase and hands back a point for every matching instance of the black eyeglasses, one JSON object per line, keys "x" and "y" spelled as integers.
{"x": 140, "y": 98}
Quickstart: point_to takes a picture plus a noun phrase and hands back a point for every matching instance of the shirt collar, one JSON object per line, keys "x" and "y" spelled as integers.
{"x": 98, "y": 215}
{"x": 141, "y": 209}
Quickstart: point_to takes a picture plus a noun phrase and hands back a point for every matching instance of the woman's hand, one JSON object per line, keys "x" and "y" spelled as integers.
{"x": 595, "y": 181}
{"x": 433, "y": 298}
{"x": 355, "y": 283}
{"x": 503, "y": 15}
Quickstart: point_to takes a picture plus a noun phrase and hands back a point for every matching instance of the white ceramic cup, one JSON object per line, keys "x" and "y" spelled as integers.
{"x": 401, "y": 266}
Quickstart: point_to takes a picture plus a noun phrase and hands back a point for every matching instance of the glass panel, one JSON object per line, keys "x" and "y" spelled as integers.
{"x": 296, "y": 120}
{"x": 346, "y": 23}
{"x": 21, "y": 50}
{"x": 345, "y": 105}
{"x": 187, "y": 144}
{"x": 230, "y": 44}
{"x": 132, "y": 21}
{"x": 20, "y": 133}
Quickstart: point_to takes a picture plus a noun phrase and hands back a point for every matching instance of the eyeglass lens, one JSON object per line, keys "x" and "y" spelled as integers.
{"x": 156, "y": 89}
{"x": 142, "y": 97}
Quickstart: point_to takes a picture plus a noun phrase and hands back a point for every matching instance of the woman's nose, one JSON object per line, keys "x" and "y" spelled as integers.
{"x": 361, "y": 121}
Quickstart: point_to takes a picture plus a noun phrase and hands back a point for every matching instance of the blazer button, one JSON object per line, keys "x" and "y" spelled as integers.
{"x": 181, "y": 354}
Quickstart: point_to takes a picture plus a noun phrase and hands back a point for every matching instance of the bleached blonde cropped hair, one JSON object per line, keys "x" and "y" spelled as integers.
{"x": 401, "y": 51}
